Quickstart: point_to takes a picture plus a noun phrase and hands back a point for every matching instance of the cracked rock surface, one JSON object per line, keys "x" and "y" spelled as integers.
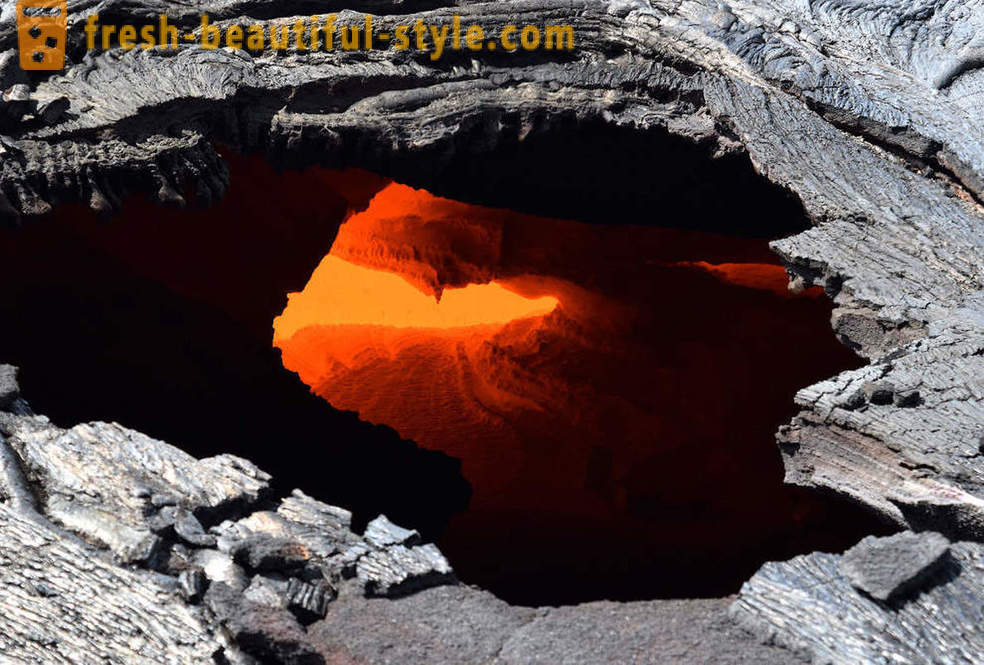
{"x": 868, "y": 111}
{"x": 809, "y": 605}
{"x": 889, "y": 568}
{"x": 106, "y": 555}
{"x": 160, "y": 557}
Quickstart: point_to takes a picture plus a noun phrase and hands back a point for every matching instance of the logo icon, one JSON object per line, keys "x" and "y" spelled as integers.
{"x": 41, "y": 32}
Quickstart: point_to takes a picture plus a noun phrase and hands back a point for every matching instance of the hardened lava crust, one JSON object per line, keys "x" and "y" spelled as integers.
{"x": 120, "y": 548}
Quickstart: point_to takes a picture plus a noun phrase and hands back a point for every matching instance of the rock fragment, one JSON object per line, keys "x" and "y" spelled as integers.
{"x": 219, "y": 568}
{"x": 810, "y": 605}
{"x": 262, "y": 552}
{"x": 193, "y": 584}
{"x": 96, "y": 479}
{"x": 9, "y": 390}
{"x": 892, "y": 567}
{"x": 309, "y": 600}
{"x": 269, "y": 590}
{"x": 399, "y": 570}
{"x": 52, "y": 111}
{"x": 15, "y": 103}
{"x": 270, "y": 634}
{"x": 381, "y": 532}
{"x": 189, "y": 529}
{"x": 10, "y": 69}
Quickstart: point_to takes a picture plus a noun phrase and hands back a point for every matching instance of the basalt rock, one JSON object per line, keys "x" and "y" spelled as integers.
{"x": 811, "y": 606}
{"x": 889, "y": 568}
{"x": 867, "y": 111}
{"x": 262, "y": 584}
{"x": 105, "y": 526}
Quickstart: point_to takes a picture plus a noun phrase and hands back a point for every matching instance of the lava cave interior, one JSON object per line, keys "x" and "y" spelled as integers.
{"x": 575, "y": 394}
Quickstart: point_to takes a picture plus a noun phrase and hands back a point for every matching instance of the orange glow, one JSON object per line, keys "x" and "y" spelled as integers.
{"x": 342, "y": 293}
{"x": 436, "y": 243}
{"x": 579, "y": 373}
{"x": 762, "y": 276}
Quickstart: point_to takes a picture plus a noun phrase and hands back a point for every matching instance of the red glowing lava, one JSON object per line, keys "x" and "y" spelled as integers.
{"x": 607, "y": 389}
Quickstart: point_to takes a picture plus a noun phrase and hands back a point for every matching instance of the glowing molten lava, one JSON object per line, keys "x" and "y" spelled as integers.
{"x": 342, "y": 293}
{"x": 612, "y": 392}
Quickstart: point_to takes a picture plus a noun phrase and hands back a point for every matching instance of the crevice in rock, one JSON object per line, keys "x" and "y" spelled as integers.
{"x": 119, "y": 334}
{"x": 590, "y": 433}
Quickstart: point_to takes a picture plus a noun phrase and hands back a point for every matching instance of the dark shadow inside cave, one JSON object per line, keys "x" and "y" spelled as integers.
{"x": 160, "y": 320}
{"x": 590, "y": 171}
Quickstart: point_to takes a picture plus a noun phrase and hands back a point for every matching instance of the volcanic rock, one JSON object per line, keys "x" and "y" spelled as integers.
{"x": 811, "y": 605}
{"x": 866, "y": 110}
{"x": 890, "y": 567}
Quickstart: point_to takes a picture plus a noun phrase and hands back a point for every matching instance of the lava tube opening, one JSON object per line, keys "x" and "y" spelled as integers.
{"x": 614, "y": 415}
{"x": 573, "y": 410}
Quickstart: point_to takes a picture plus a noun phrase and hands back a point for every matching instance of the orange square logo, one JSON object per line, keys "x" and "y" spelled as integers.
{"x": 41, "y": 32}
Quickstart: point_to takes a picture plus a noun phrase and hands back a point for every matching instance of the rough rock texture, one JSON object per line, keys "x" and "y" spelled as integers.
{"x": 119, "y": 488}
{"x": 136, "y": 577}
{"x": 867, "y": 110}
{"x": 105, "y": 554}
{"x": 808, "y": 605}
{"x": 889, "y": 568}
{"x": 66, "y": 602}
{"x": 450, "y": 625}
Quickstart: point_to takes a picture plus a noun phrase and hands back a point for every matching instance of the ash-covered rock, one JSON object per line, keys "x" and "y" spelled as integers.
{"x": 452, "y": 625}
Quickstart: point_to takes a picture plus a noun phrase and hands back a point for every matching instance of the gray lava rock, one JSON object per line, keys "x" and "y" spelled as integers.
{"x": 189, "y": 529}
{"x": 879, "y": 393}
{"x": 865, "y": 110}
{"x": 89, "y": 474}
{"x": 220, "y": 568}
{"x": 16, "y": 102}
{"x": 10, "y": 69}
{"x": 381, "y": 532}
{"x": 271, "y": 634}
{"x": 892, "y": 567}
{"x": 456, "y": 625}
{"x": 269, "y": 590}
{"x": 193, "y": 584}
{"x": 9, "y": 390}
{"x": 309, "y": 600}
{"x": 398, "y": 570}
{"x": 809, "y": 605}
{"x": 52, "y": 111}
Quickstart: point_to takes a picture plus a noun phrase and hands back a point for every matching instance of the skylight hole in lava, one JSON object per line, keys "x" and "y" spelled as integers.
{"x": 612, "y": 392}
